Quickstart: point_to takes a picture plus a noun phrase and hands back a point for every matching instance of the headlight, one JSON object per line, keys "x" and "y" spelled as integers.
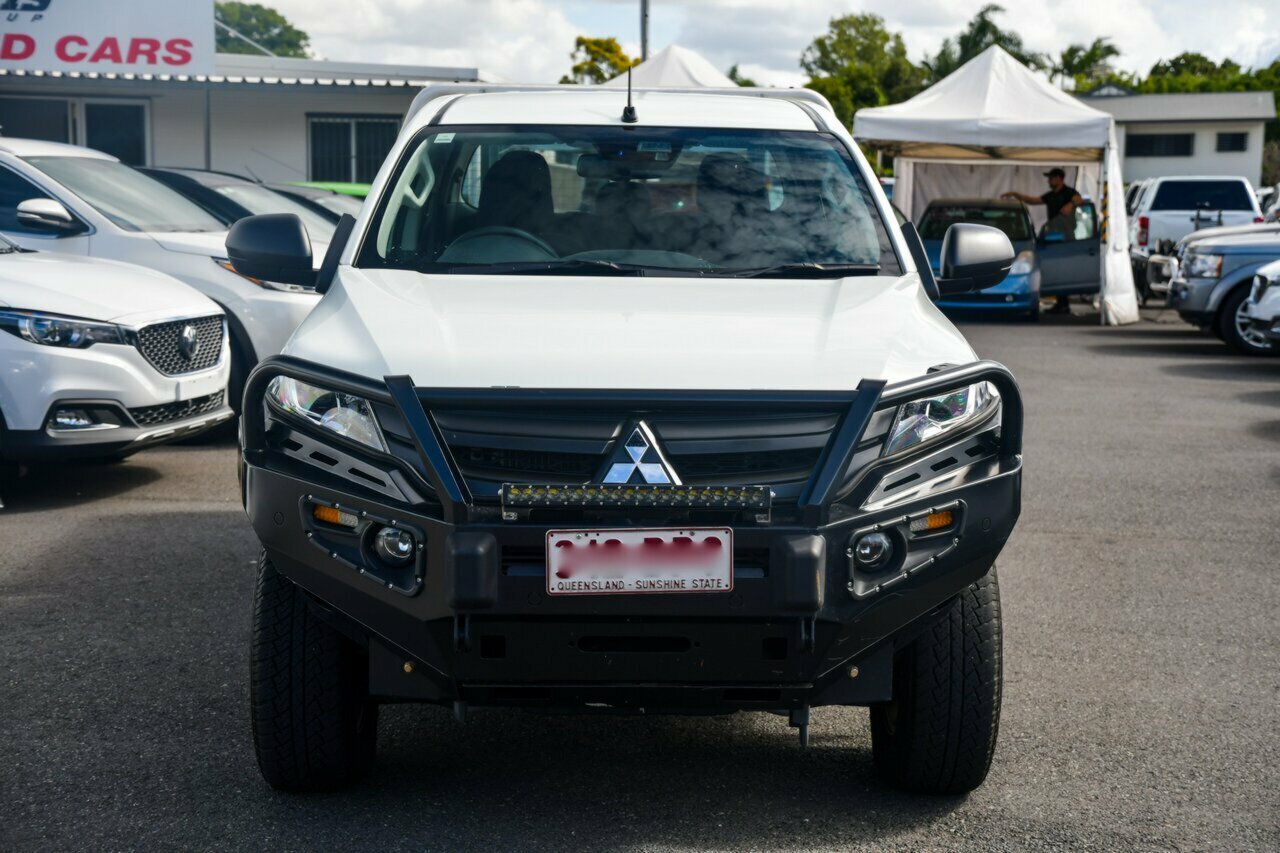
{"x": 268, "y": 285}
{"x": 347, "y": 415}
{"x": 57, "y": 331}
{"x": 1202, "y": 266}
{"x": 921, "y": 420}
{"x": 1023, "y": 264}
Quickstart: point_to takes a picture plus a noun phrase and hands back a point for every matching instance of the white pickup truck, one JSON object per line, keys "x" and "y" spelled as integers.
{"x": 1169, "y": 209}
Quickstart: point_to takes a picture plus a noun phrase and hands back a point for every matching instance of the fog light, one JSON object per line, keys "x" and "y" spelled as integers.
{"x": 393, "y": 546}
{"x": 72, "y": 419}
{"x": 873, "y": 551}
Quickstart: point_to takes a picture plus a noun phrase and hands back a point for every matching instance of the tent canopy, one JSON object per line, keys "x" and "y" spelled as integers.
{"x": 991, "y": 107}
{"x": 675, "y": 67}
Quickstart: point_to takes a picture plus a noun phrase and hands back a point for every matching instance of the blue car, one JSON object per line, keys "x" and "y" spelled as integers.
{"x": 1052, "y": 263}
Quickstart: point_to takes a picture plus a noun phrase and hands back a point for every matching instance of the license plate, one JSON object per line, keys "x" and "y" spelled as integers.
{"x": 639, "y": 560}
{"x": 201, "y": 386}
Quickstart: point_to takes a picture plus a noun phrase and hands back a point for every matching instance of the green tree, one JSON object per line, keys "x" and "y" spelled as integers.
{"x": 737, "y": 77}
{"x": 264, "y": 25}
{"x": 979, "y": 34}
{"x": 596, "y": 60}
{"x": 859, "y": 63}
{"x": 1087, "y": 65}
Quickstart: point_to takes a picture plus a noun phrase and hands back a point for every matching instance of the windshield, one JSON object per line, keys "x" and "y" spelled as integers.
{"x": 130, "y": 199}
{"x": 339, "y": 203}
{"x": 626, "y": 201}
{"x": 256, "y": 199}
{"x": 1202, "y": 195}
{"x": 1013, "y": 221}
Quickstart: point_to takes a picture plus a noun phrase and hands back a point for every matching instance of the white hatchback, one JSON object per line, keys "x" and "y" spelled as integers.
{"x": 103, "y": 358}
{"x": 79, "y": 201}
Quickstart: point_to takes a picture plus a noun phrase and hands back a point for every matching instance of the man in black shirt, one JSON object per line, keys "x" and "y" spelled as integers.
{"x": 1061, "y": 202}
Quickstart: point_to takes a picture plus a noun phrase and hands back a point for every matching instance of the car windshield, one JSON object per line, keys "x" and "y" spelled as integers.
{"x": 256, "y": 199}
{"x": 1013, "y": 221}
{"x": 130, "y": 199}
{"x": 339, "y": 203}
{"x": 628, "y": 201}
{"x": 1202, "y": 195}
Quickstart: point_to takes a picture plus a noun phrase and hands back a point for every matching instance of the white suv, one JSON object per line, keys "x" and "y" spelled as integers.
{"x": 103, "y": 358}
{"x": 619, "y": 410}
{"x": 79, "y": 201}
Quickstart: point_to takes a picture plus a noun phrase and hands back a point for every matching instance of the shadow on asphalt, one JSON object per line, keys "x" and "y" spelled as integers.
{"x": 56, "y": 485}
{"x": 1261, "y": 398}
{"x": 1269, "y": 430}
{"x": 1229, "y": 368}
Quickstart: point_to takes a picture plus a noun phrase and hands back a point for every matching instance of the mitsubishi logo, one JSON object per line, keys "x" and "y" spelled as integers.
{"x": 639, "y": 460}
{"x": 188, "y": 342}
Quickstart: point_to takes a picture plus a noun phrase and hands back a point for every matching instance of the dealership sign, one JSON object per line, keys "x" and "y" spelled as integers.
{"x": 138, "y": 36}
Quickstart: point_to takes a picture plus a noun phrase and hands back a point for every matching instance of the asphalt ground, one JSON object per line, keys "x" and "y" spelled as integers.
{"x": 1142, "y": 688}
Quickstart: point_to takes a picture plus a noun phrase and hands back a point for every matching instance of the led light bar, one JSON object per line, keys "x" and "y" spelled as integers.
{"x": 628, "y": 495}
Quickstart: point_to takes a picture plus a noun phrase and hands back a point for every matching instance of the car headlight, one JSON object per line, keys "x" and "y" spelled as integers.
{"x": 349, "y": 416}
{"x": 921, "y": 420}
{"x": 1023, "y": 264}
{"x": 55, "y": 330}
{"x": 266, "y": 285}
{"x": 1202, "y": 266}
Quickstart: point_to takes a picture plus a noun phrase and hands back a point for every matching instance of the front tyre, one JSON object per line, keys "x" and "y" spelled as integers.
{"x": 314, "y": 726}
{"x": 1233, "y": 326}
{"x": 938, "y": 734}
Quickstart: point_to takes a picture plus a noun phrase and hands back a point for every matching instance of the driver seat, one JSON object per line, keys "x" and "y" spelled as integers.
{"x": 516, "y": 193}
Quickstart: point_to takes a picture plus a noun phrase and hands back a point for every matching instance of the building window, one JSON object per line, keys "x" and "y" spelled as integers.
{"x": 349, "y": 148}
{"x": 1233, "y": 141}
{"x": 117, "y": 126}
{"x": 1159, "y": 145}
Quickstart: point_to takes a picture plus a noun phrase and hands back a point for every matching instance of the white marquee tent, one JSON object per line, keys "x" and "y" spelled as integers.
{"x": 675, "y": 67}
{"x": 993, "y": 126}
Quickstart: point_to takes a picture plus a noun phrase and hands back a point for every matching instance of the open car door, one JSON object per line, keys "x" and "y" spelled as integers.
{"x": 1068, "y": 256}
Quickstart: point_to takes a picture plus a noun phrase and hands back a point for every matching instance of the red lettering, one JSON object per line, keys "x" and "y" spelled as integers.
{"x": 61, "y": 51}
{"x": 108, "y": 50}
{"x": 143, "y": 49}
{"x": 17, "y": 46}
{"x": 179, "y": 51}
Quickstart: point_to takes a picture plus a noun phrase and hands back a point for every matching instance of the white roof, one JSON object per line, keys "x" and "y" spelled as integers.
{"x": 40, "y": 148}
{"x": 1188, "y": 106}
{"x": 675, "y": 67}
{"x": 581, "y": 105}
{"x": 992, "y": 106}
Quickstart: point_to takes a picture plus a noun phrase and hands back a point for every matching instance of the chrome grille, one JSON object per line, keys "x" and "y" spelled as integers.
{"x": 160, "y": 344}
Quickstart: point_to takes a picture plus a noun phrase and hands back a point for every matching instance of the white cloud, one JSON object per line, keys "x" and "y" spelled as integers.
{"x": 530, "y": 40}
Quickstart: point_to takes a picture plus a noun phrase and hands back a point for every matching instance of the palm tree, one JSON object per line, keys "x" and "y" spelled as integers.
{"x": 1086, "y": 64}
{"x": 978, "y": 35}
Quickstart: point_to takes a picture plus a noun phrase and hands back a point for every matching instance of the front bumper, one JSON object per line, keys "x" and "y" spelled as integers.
{"x": 472, "y": 621}
{"x": 1190, "y": 297}
{"x": 1269, "y": 328}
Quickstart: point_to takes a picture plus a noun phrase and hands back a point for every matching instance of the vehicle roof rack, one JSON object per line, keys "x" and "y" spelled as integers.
{"x": 801, "y": 97}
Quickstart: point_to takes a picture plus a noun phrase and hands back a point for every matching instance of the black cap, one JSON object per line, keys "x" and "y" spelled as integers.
{"x": 1055, "y": 173}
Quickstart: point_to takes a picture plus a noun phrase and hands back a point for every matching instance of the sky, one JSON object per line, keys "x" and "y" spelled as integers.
{"x": 530, "y": 40}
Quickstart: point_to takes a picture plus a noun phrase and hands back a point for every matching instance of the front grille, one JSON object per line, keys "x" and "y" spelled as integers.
{"x": 163, "y": 414}
{"x": 160, "y": 344}
{"x": 742, "y": 448}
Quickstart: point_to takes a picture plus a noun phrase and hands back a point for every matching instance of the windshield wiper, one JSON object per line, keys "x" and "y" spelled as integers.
{"x": 581, "y": 266}
{"x": 803, "y": 270}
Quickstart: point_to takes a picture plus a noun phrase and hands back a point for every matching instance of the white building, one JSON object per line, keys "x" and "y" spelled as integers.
{"x": 274, "y": 118}
{"x": 1209, "y": 133}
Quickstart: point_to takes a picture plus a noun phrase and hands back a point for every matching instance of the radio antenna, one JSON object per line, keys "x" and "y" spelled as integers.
{"x": 629, "y": 112}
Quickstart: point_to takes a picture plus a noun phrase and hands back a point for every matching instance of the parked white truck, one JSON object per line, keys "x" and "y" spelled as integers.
{"x": 1169, "y": 209}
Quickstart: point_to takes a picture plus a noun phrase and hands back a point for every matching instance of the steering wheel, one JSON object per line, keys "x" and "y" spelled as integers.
{"x": 504, "y": 231}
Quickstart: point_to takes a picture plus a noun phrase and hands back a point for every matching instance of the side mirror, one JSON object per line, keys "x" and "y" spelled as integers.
{"x": 974, "y": 257}
{"x": 272, "y": 247}
{"x": 47, "y": 215}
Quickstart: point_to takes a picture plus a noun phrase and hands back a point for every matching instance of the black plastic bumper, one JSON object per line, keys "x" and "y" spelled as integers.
{"x": 472, "y": 621}
{"x": 122, "y": 437}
